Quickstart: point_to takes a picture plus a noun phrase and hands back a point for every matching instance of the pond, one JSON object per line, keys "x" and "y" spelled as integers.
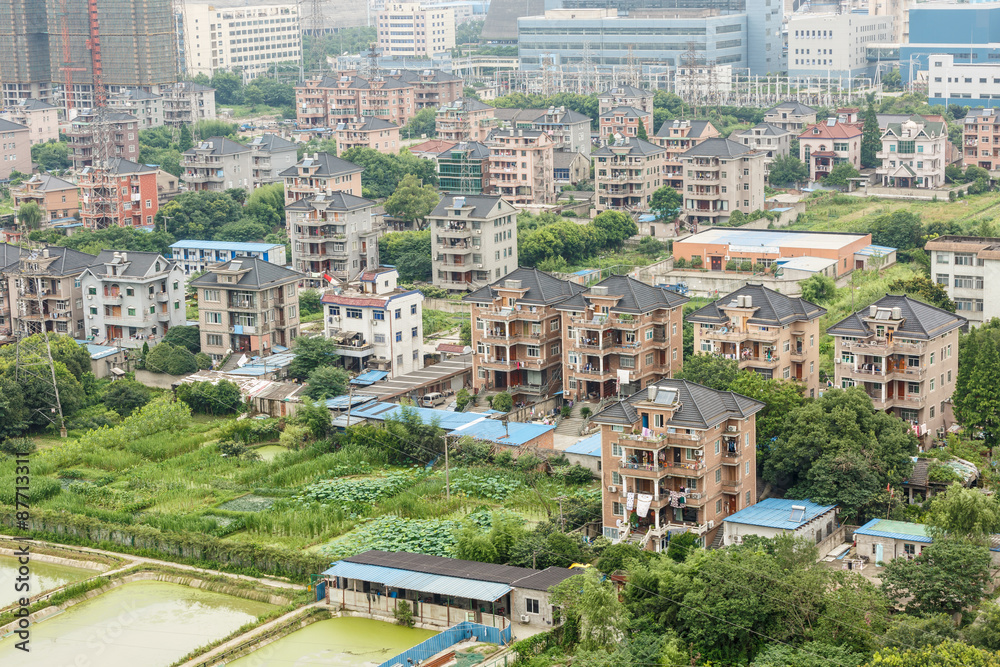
{"x": 270, "y": 452}
{"x": 43, "y": 577}
{"x": 148, "y": 623}
{"x": 336, "y": 642}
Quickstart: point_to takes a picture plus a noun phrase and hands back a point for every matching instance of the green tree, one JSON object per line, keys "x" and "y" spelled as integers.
{"x": 472, "y": 544}
{"x": 423, "y": 123}
{"x": 327, "y": 381}
{"x": 976, "y": 401}
{"x": 948, "y": 576}
{"x": 186, "y": 336}
{"x": 409, "y": 252}
{"x": 965, "y": 513}
{"x": 382, "y": 172}
{"x": 170, "y": 359}
{"x": 900, "y": 229}
{"x": 809, "y": 654}
{"x": 840, "y": 175}
{"x": 266, "y": 205}
{"x": 681, "y": 546}
{"x": 13, "y": 412}
{"x": 51, "y": 156}
{"x": 310, "y": 354}
{"x": 594, "y": 601}
{"x": 907, "y": 631}
{"x": 197, "y": 215}
{"x": 818, "y": 288}
{"x": 787, "y": 170}
{"x": 228, "y": 87}
{"x": 315, "y": 417}
{"x": 945, "y": 654}
{"x": 665, "y": 203}
{"x": 309, "y": 302}
{"x": 185, "y": 142}
{"x": 924, "y": 289}
{"x": 985, "y": 631}
{"x": 871, "y": 139}
{"x": 650, "y": 246}
{"x": 30, "y": 215}
{"x": 245, "y": 230}
{"x": 779, "y": 398}
{"x": 710, "y": 370}
{"x": 502, "y": 402}
{"x": 462, "y": 399}
{"x": 641, "y": 132}
{"x": 126, "y": 396}
{"x": 615, "y": 226}
{"x": 411, "y": 201}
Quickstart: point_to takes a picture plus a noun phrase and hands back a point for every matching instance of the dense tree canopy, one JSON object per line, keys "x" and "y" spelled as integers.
{"x": 976, "y": 402}
{"x": 112, "y": 238}
{"x": 711, "y": 370}
{"x": 409, "y": 252}
{"x": 51, "y": 156}
{"x": 310, "y": 354}
{"x": 787, "y": 170}
{"x": 327, "y": 382}
{"x": 411, "y": 200}
{"x": 197, "y": 215}
{"x": 382, "y": 173}
{"x": 948, "y": 576}
{"x": 185, "y": 336}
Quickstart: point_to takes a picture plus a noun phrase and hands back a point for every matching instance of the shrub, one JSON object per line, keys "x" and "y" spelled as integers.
{"x": 680, "y": 263}
{"x": 502, "y": 402}
{"x": 565, "y": 411}
{"x": 462, "y": 399}
{"x": 18, "y": 446}
{"x": 696, "y": 262}
{"x": 585, "y": 412}
{"x": 404, "y": 614}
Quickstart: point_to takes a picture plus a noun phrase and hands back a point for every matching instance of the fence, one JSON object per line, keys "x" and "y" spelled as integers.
{"x": 449, "y": 637}
{"x": 537, "y": 410}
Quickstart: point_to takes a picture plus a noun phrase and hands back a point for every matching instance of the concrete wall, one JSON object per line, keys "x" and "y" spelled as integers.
{"x": 158, "y": 380}
{"x": 539, "y": 409}
{"x": 922, "y": 194}
{"x": 716, "y": 283}
{"x": 447, "y": 305}
{"x": 592, "y": 462}
{"x": 891, "y": 548}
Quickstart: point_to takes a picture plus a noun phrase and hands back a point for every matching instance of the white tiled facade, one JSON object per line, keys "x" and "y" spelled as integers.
{"x": 251, "y": 39}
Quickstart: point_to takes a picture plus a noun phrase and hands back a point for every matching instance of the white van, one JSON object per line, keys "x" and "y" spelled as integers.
{"x": 432, "y": 400}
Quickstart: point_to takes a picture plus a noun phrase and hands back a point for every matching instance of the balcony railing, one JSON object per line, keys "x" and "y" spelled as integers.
{"x": 509, "y": 314}
{"x": 741, "y": 334}
{"x": 883, "y": 347}
{"x": 602, "y": 323}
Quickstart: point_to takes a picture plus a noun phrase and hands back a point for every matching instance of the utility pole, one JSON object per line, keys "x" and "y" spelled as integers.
{"x": 447, "y": 478}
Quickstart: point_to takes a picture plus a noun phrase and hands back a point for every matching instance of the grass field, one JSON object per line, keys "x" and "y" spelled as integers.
{"x": 844, "y": 213}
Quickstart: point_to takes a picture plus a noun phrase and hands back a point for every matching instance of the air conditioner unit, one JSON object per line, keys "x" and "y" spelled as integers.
{"x": 90, "y": 297}
{"x": 612, "y": 489}
{"x": 711, "y": 525}
{"x": 479, "y": 266}
{"x": 731, "y": 429}
{"x": 837, "y": 361}
{"x": 699, "y": 452}
{"x": 525, "y": 618}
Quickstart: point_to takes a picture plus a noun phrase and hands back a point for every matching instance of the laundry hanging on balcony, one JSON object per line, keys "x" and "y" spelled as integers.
{"x": 629, "y": 502}
{"x": 642, "y": 506}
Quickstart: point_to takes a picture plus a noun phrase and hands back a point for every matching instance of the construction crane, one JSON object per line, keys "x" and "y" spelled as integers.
{"x": 67, "y": 60}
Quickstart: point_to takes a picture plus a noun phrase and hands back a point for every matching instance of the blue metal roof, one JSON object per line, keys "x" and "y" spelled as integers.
{"x": 262, "y": 365}
{"x": 514, "y": 434}
{"x": 897, "y": 530}
{"x": 589, "y": 446}
{"x": 447, "y": 419}
{"x": 473, "y": 589}
{"x": 225, "y": 245}
{"x": 340, "y": 402}
{"x": 473, "y": 424}
{"x": 98, "y": 351}
{"x": 875, "y": 249}
{"x": 778, "y": 513}
{"x": 369, "y": 377}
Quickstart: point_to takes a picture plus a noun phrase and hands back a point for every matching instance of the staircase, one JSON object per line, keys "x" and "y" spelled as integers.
{"x": 234, "y": 359}
{"x": 570, "y": 425}
{"x": 719, "y": 536}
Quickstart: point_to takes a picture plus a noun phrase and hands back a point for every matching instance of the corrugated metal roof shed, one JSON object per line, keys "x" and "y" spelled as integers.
{"x": 369, "y": 377}
{"x": 419, "y": 581}
{"x": 897, "y": 530}
{"x": 589, "y": 446}
{"x": 225, "y": 245}
{"x": 779, "y": 513}
{"x": 514, "y": 434}
{"x": 340, "y": 402}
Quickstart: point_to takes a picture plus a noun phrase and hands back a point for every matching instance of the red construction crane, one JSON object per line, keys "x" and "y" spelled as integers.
{"x": 67, "y": 65}
{"x": 94, "y": 44}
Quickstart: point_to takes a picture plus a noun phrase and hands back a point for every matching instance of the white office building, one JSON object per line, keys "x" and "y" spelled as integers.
{"x": 195, "y": 256}
{"x": 835, "y": 45}
{"x": 251, "y": 39}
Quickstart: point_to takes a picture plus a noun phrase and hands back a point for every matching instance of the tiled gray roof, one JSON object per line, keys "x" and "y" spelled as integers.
{"x": 636, "y": 147}
{"x": 698, "y": 127}
{"x": 701, "y": 406}
{"x": 636, "y": 296}
{"x": 626, "y": 91}
{"x": 565, "y": 159}
{"x": 773, "y": 308}
{"x": 475, "y": 150}
{"x": 793, "y": 107}
{"x": 544, "y": 580}
{"x": 138, "y": 265}
{"x": 8, "y": 126}
{"x": 8, "y": 254}
{"x": 272, "y": 142}
{"x": 467, "y": 104}
{"x": 921, "y": 321}
{"x": 542, "y": 288}
{"x": 717, "y": 147}
{"x": 261, "y": 274}
{"x": 484, "y": 205}
{"x": 68, "y": 262}
{"x": 335, "y": 200}
{"x": 31, "y": 104}
{"x": 372, "y": 123}
{"x": 218, "y": 146}
{"x": 768, "y": 130}
{"x": 119, "y": 166}
{"x": 329, "y": 165}
{"x": 47, "y": 183}
{"x": 628, "y": 112}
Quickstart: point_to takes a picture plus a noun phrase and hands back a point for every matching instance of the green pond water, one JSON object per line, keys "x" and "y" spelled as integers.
{"x": 336, "y": 642}
{"x": 43, "y": 577}
{"x": 143, "y": 623}
{"x": 270, "y": 452}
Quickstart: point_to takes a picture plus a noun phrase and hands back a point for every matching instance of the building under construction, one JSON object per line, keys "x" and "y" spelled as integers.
{"x": 51, "y": 44}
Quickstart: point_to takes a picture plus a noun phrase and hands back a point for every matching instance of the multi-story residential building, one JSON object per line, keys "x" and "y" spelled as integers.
{"x": 791, "y": 116}
{"x": 196, "y": 256}
{"x": 624, "y": 122}
{"x": 217, "y": 164}
{"x": 569, "y": 130}
{"x": 981, "y": 138}
{"x": 431, "y": 87}
{"x": 463, "y": 168}
{"x": 120, "y": 131}
{"x": 904, "y": 354}
{"x": 619, "y": 336}
{"x": 570, "y": 168}
{"x": 376, "y": 323}
{"x": 466, "y": 119}
{"x": 835, "y": 45}
{"x": 333, "y": 235}
{"x": 825, "y": 145}
{"x": 677, "y": 136}
{"x": 627, "y": 172}
{"x": 963, "y": 265}
{"x": 9, "y": 255}
{"x": 721, "y": 176}
{"x": 517, "y": 333}
{"x": 122, "y": 194}
{"x": 626, "y": 96}
{"x": 680, "y": 455}
{"x": 147, "y": 107}
{"x": 326, "y": 101}
{"x": 132, "y": 298}
{"x": 914, "y": 153}
{"x": 50, "y": 273}
{"x": 57, "y": 198}
{"x": 16, "y": 151}
{"x": 474, "y": 240}
{"x": 41, "y": 118}
{"x": 368, "y": 132}
{"x": 247, "y": 306}
{"x": 270, "y": 155}
{"x": 899, "y": 11}
{"x": 250, "y": 39}
{"x": 520, "y": 168}
{"x": 320, "y": 172}
{"x": 767, "y": 332}
{"x": 769, "y": 139}
{"x": 186, "y": 102}
{"x": 412, "y": 30}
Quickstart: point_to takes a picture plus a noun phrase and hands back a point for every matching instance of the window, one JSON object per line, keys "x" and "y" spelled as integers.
{"x": 554, "y": 348}
{"x": 177, "y": 305}
{"x": 130, "y": 291}
{"x": 213, "y": 318}
{"x": 718, "y": 447}
{"x": 617, "y": 509}
{"x": 335, "y": 310}
{"x": 413, "y": 332}
{"x": 399, "y": 313}
{"x": 718, "y": 476}
{"x": 378, "y": 315}
{"x": 910, "y": 549}
{"x": 413, "y": 309}
{"x": 213, "y": 340}
{"x": 964, "y": 281}
{"x": 718, "y": 506}
{"x": 379, "y": 339}
{"x": 531, "y": 605}
{"x": 353, "y": 313}
{"x": 649, "y": 359}
{"x": 92, "y": 290}
{"x": 932, "y": 359}
{"x": 131, "y": 312}
{"x": 626, "y": 362}
{"x": 399, "y": 337}
{"x": 942, "y": 279}
{"x": 534, "y": 351}
{"x": 616, "y": 450}
{"x": 554, "y": 324}
{"x": 963, "y": 258}
{"x": 93, "y": 310}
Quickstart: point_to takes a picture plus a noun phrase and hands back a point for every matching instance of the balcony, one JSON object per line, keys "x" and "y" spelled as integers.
{"x": 163, "y": 316}
{"x": 905, "y": 401}
{"x": 741, "y": 335}
{"x": 112, "y": 299}
{"x": 162, "y": 297}
{"x": 600, "y": 323}
{"x": 240, "y": 304}
{"x": 593, "y": 373}
{"x": 243, "y": 329}
{"x": 797, "y": 355}
{"x": 642, "y": 470}
{"x": 731, "y": 458}
{"x": 883, "y": 347}
{"x": 772, "y": 361}
{"x": 730, "y": 486}
{"x": 512, "y": 314}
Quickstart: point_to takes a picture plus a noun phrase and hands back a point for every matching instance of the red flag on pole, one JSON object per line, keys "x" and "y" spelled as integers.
{"x": 328, "y": 277}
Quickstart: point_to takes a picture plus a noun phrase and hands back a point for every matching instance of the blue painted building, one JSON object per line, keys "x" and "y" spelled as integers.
{"x": 968, "y": 32}
{"x": 194, "y": 256}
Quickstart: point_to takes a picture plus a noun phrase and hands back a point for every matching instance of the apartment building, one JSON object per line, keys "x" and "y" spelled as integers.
{"x": 269, "y": 156}
{"x": 904, "y": 354}
{"x": 570, "y": 168}
{"x": 16, "y": 149}
{"x": 9, "y": 254}
{"x": 218, "y": 164}
{"x": 520, "y": 167}
{"x": 627, "y": 172}
{"x": 767, "y": 332}
{"x": 517, "y": 333}
{"x": 368, "y": 132}
{"x": 57, "y": 198}
{"x": 248, "y": 39}
{"x": 791, "y": 115}
{"x": 147, "y": 107}
{"x": 626, "y": 96}
{"x": 677, "y": 136}
{"x": 122, "y": 194}
{"x": 619, "y": 336}
{"x": 682, "y": 457}
{"x": 835, "y": 45}
{"x": 121, "y": 134}
{"x": 465, "y": 119}
{"x": 569, "y": 130}
{"x": 721, "y": 176}
{"x": 914, "y": 153}
{"x": 463, "y": 168}
{"x": 431, "y": 87}
{"x": 474, "y": 240}
{"x": 247, "y": 306}
{"x": 320, "y": 172}
{"x": 186, "y": 102}
{"x": 768, "y": 139}
{"x": 624, "y": 122}
{"x": 41, "y": 119}
{"x": 132, "y": 298}
{"x": 325, "y": 101}
{"x": 412, "y": 30}
{"x": 376, "y": 324}
{"x": 963, "y": 265}
{"x": 333, "y": 234}
{"x": 50, "y": 273}
{"x": 196, "y": 256}
{"x": 824, "y": 145}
